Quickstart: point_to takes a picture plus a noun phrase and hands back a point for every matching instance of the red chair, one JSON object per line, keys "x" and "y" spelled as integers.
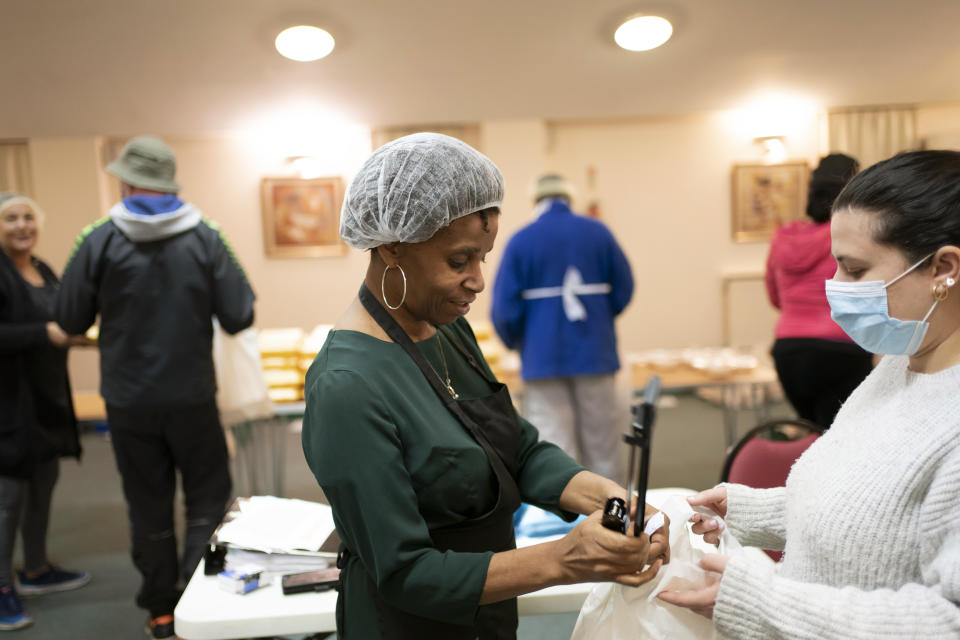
{"x": 763, "y": 456}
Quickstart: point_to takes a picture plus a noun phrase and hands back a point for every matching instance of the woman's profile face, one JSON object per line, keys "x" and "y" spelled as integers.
{"x": 444, "y": 273}
{"x": 860, "y": 259}
{"x": 18, "y": 229}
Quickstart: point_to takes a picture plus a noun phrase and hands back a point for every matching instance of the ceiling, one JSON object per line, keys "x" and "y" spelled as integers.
{"x": 122, "y": 67}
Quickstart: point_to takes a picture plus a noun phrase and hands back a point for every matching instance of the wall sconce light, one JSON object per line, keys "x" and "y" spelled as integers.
{"x": 770, "y": 120}
{"x": 307, "y": 166}
{"x": 774, "y": 149}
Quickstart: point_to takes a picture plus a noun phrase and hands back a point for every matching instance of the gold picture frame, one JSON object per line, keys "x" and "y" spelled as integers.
{"x": 766, "y": 196}
{"x": 301, "y": 217}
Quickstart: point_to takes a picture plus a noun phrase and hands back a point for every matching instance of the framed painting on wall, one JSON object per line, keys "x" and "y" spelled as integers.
{"x": 766, "y": 196}
{"x": 301, "y": 217}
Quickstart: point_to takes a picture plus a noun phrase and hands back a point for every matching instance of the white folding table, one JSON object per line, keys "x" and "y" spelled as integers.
{"x": 208, "y": 612}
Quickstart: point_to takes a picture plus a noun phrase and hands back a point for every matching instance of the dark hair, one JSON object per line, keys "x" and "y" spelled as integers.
{"x": 826, "y": 182}
{"x": 484, "y": 220}
{"x": 915, "y": 197}
{"x": 485, "y": 216}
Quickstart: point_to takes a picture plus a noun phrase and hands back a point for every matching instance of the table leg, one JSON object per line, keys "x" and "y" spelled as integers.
{"x": 260, "y": 456}
{"x": 729, "y": 400}
{"x": 761, "y": 401}
{"x": 278, "y": 432}
{"x": 244, "y": 463}
{"x": 260, "y": 459}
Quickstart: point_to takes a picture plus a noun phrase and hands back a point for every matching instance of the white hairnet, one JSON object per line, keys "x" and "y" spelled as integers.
{"x": 414, "y": 186}
{"x": 10, "y": 199}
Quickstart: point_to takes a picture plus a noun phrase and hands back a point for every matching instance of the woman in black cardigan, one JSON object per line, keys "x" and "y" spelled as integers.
{"x": 37, "y": 421}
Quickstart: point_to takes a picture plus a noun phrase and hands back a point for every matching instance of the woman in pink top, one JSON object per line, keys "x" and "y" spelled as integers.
{"x": 817, "y": 363}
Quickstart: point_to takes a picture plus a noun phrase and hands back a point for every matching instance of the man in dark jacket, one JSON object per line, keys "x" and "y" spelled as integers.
{"x": 157, "y": 272}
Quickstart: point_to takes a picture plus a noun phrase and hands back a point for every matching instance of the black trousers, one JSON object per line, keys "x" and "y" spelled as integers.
{"x": 818, "y": 375}
{"x": 25, "y": 505}
{"x": 150, "y": 446}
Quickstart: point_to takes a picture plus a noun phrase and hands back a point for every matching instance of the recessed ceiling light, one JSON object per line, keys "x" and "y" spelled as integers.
{"x": 643, "y": 33}
{"x": 304, "y": 43}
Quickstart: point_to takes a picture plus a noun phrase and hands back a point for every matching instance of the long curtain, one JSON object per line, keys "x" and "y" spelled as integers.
{"x": 873, "y": 134}
{"x": 109, "y": 150}
{"x": 15, "y": 174}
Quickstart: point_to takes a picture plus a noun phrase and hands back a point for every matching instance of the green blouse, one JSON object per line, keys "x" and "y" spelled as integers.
{"x": 394, "y": 463}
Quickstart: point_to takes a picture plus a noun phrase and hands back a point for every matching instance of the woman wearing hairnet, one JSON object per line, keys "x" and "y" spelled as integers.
{"x": 416, "y": 445}
{"x": 37, "y": 421}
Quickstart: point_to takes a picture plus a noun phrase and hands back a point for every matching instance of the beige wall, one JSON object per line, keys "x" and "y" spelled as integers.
{"x": 67, "y": 186}
{"x": 222, "y": 177}
{"x": 518, "y": 147}
{"x": 663, "y": 186}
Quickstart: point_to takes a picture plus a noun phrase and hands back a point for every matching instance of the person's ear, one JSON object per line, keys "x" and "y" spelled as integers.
{"x": 390, "y": 253}
{"x": 946, "y": 271}
{"x": 946, "y": 266}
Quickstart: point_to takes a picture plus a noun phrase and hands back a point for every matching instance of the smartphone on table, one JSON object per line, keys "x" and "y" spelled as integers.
{"x": 319, "y": 580}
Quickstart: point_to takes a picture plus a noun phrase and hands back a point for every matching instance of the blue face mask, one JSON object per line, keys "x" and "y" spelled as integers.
{"x": 860, "y": 308}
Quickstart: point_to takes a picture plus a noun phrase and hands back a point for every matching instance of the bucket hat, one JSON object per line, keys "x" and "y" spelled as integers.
{"x": 148, "y": 163}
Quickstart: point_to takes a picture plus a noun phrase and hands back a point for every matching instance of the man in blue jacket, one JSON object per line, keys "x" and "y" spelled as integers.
{"x": 157, "y": 272}
{"x": 562, "y": 280}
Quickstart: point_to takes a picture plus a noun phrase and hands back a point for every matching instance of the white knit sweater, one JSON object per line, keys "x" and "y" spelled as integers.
{"x": 870, "y": 518}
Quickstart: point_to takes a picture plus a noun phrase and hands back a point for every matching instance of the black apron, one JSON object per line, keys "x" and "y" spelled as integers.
{"x": 492, "y": 422}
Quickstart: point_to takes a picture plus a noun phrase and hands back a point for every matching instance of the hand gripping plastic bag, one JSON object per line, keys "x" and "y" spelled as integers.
{"x": 617, "y": 612}
{"x": 241, "y": 388}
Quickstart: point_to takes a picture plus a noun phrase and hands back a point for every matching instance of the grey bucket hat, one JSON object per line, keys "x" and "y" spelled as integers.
{"x": 148, "y": 163}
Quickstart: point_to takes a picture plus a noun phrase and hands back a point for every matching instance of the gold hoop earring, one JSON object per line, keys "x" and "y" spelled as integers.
{"x": 941, "y": 291}
{"x": 383, "y": 292}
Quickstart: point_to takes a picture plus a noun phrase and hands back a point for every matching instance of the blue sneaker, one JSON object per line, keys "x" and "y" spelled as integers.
{"x": 12, "y": 615}
{"x": 52, "y": 580}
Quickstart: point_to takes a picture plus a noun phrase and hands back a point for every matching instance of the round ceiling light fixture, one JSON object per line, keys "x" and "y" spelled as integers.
{"x": 642, "y": 33}
{"x": 304, "y": 43}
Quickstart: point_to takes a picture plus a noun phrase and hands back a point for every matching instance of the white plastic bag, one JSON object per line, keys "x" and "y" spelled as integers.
{"x": 241, "y": 388}
{"x": 617, "y": 612}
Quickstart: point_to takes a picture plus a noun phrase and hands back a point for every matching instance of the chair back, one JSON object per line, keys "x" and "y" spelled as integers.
{"x": 763, "y": 463}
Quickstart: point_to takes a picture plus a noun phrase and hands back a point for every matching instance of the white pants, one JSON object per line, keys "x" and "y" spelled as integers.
{"x": 581, "y": 416}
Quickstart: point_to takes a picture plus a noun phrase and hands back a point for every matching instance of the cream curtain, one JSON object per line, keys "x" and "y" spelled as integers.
{"x": 15, "y": 174}
{"x": 109, "y": 150}
{"x": 873, "y": 134}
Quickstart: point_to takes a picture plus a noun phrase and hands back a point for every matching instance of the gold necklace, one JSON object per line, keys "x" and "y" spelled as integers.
{"x": 446, "y": 372}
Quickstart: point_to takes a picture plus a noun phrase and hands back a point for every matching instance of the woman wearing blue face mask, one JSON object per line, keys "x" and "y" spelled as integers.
{"x": 868, "y": 517}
